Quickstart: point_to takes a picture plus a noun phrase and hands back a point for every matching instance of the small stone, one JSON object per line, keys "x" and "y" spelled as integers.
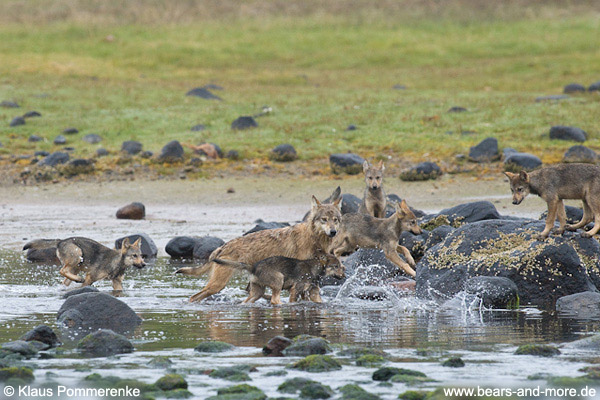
{"x": 456, "y": 109}
{"x": 283, "y": 153}
{"x": 21, "y": 347}
{"x": 16, "y": 121}
{"x": 243, "y": 123}
{"x": 35, "y": 138}
{"x": 31, "y": 114}
{"x": 134, "y": 210}
{"x": 104, "y": 343}
{"x": 101, "y": 152}
{"x": 54, "y": 159}
{"x": 92, "y": 138}
{"x": 454, "y": 362}
{"x": 9, "y": 104}
{"x": 203, "y": 93}
{"x": 571, "y": 133}
{"x": 70, "y": 131}
{"x": 172, "y": 152}
{"x": 573, "y": 88}
{"x": 17, "y": 373}
{"x": 60, "y": 140}
{"x": 131, "y": 147}
{"x": 386, "y": 373}
{"x": 316, "y": 391}
{"x": 146, "y": 154}
{"x": 198, "y": 128}
{"x": 230, "y": 190}
{"x": 370, "y": 360}
{"x": 351, "y": 127}
{"x": 233, "y": 155}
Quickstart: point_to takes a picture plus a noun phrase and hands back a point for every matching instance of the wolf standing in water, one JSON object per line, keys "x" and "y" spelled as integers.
{"x": 374, "y": 200}
{"x": 303, "y": 241}
{"x": 557, "y": 183}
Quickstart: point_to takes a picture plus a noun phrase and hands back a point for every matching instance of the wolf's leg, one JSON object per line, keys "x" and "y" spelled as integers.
{"x": 314, "y": 294}
{"x": 552, "y": 208}
{"x": 393, "y": 256}
{"x": 294, "y": 293}
{"x": 595, "y": 208}
{"x": 256, "y": 293}
{"x": 406, "y": 253}
{"x": 276, "y": 284}
{"x": 67, "y": 281}
{"x": 588, "y": 216}
{"x": 219, "y": 277}
{"x": 70, "y": 256}
{"x": 562, "y": 217}
{"x": 117, "y": 283}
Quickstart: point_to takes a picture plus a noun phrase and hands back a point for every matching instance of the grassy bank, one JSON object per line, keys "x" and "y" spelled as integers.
{"x": 124, "y": 76}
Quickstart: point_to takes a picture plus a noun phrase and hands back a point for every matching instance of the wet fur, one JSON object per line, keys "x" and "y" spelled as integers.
{"x": 303, "y": 241}
{"x": 374, "y": 199}
{"x": 278, "y": 273}
{"x": 364, "y": 231}
{"x": 79, "y": 254}
{"x": 557, "y": 183}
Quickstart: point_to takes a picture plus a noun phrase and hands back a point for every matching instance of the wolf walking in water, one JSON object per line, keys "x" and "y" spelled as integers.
{"x": 303, "y": 241}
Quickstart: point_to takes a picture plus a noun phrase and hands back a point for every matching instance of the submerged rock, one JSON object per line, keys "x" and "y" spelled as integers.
{"x": 171, "y": 382}
{"x": 21, "y": 347}
{"x": 43, "y": 334}
{"x": 454, "y": 362}
{"x": 543, "y": 271}
{"x": 386, "y": 373}
{"x": 355, "y": 392}
{"x": 237, "y": 373}
{"x": 494, "y": 291}
{"x": 24, "y": 374}
{"x": 276, "y": 346}
{"x": 580, "y": 305}
{"x": 239, "y": 392}
{"x": 308, "y": 347}
{"x": 213, "y": 346}
{"x": 294, "y": 385}
{"x": 541, "y": 350}
{"x": 316, "y": 391}
{"x": 88, "y": 312}
{"x": 104, "y": 343}
{"x": 317, "y": 363}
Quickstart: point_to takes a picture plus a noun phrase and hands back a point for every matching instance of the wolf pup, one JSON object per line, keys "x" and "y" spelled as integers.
{"x": 374, "y": 200}
{"x": 557, "y": 183}
{"x": 278, "y": 273}
{"x": 364, "y": 231}
{"x": 78, "y": 254}
{"x": 302, "y": 241}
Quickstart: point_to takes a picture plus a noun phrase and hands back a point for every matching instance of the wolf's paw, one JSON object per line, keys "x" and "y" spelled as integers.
{"x": 570, "y": 228}
{"x": 586, "y": 235}
{"x": 558, "y": 231}
{"x": 541, "y": 237}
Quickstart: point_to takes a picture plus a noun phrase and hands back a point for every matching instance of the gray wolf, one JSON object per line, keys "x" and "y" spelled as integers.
{"x": 364, "y": 231}
{"x": 278, "y": 273}
{"x": 557, "y": 183}
{"x": 302, "y": 241}
{"x": 79, "y": 254}
{"x": 374, "y": 200}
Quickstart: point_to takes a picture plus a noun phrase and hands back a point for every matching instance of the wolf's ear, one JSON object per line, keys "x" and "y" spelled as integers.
{"x": 510, "y": 175}
{"x": 365, "y": 166}
{"x": 338, "y": 203}
{"x": 381, "y": 166}
{"x": 399, "y": 211}
{"x": 137, "y": 243}
{"x": 336, "y": 193}
{"x": 125, "y": 243}
{"x": 404, "y": 206}
{"x": 524, "y": 176}
{"x": 314, "y": 203}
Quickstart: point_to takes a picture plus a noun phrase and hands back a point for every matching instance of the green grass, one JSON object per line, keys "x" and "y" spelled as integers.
{"x": 319, "y": 73}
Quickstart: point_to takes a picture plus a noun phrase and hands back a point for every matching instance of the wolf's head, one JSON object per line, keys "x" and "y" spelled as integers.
{"x": 325, "y": 218}
{"x": 132, "y": 255}
{"x": 332, "y": 266}
{"x": 519, "y": 185}
{"x": 407, "y": 218}
{"x": 373, "y": 175}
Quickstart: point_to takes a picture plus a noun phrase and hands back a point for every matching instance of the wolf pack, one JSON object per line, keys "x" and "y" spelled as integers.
{"x": 294, "y": 258}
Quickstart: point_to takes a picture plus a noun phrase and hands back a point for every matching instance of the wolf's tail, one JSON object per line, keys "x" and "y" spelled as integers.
{"x": 195, "y": 271}
{"x": 233, "y": 264}
{"x": 40, "y": 244}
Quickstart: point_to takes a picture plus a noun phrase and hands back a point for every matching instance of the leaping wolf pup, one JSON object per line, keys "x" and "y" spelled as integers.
{"x": 374, "y": 200}
{"x": 557, "y": 183}
{"x": 303, "y": 241}
{"x": 278, "y": 273}
{"x": 364, "y": 231}
{"x": 79, "y": 254}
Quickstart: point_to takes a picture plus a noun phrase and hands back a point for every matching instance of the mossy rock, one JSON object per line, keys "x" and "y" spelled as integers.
{"x": 239, "y": 392}
{"x": 386, "y": 373}
{"x": 355, "y": 392}
{"x": 370, "y": 360}
{"x": 213, "y": 346}
{"x": 173, "y": 394}
{"x": 97, "y": 380}
{"x": 409, "y": 379}
{"x": 277, "y": 373}
{"x": 454, "y": 362}
{"x": 438, "y": 221}
{"x": 306, "y": 347}
{"x": 316, "y": 391}
{"x": 294, "y": 385}
{"x": 303, "y": 337}
{"x": 413, "y": 395}
{"x": 569, "y": 381}
{"x": 171, "y": 382}
{"x": 541, "y": 350}
{"x": 317, "y": 363}
{"x": 357, "y": 352}
{"x": 238, "y": 373}
{"x": 24, "y": 374}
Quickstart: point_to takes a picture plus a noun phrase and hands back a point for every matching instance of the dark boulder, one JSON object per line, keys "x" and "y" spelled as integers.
{"x": 571, "y": 133}
{"x": 88, "y": 312}
{"x": 149, "y": 249}
{"x": 101, "y": 152}
{"x": 60, "y": 140}
{"x": 580, "y": 154}
{"x": 542, "y": 270}
{"x": 507, "y": 151}
{"x": 131, "y": 147}
{"x": 203, "y": 93}
{"x": 351, "y": 127}
{"x": 573, "y": 88}
{"x": 457, "y": 109}
{"x": 21, "y": 347}
{"x": 470, "y": 212}
{"x": 54, "y": 159}
{"x": 438, "y": 235}
{"x": 41, "y": 153}
{"x": 348, "y": 163}
{"x": 594, "y": 87}
{"x": 486, "y": 151}
{"x": 307, "y": 347}
{"x": 35, "y": 138}
{"x": 205, "y": 246}
{"x": 233, "y": 155}
{"x": 104, "y": 343}
{"x": 262, "y": 225}
{"x": 276, "y": 346}
{"x": 422, "y": 172}
{"x": 78, "y": 166}
{"x": 574, "y": 214}
{"x": 134, "y": 210}
{"x": 181, "y": 246}
{"x": 9, "y": 104}
{"x": 42, "y": 251}
{"x": 198, "y": 128}
{"x": 172, "y": 152}
{"x": 584, "y": 305}
{"x": 414, "y": 243}
{"x": 70, "y": 131}
{"x": 350, "y": 203}
{"x": 80, "y": 290}
{"x": 283, "y": 153}
{"x": 146, "y": 154}
{"x": 92, "y": 138}
{"x": 243, "y": 123}
{"x": 31, "y": 114}
{"x": 521, "y": 161}
{"x": 43, "y": 334}
{"x": 17, "y": 121}
{"x": 494, "y": 291}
